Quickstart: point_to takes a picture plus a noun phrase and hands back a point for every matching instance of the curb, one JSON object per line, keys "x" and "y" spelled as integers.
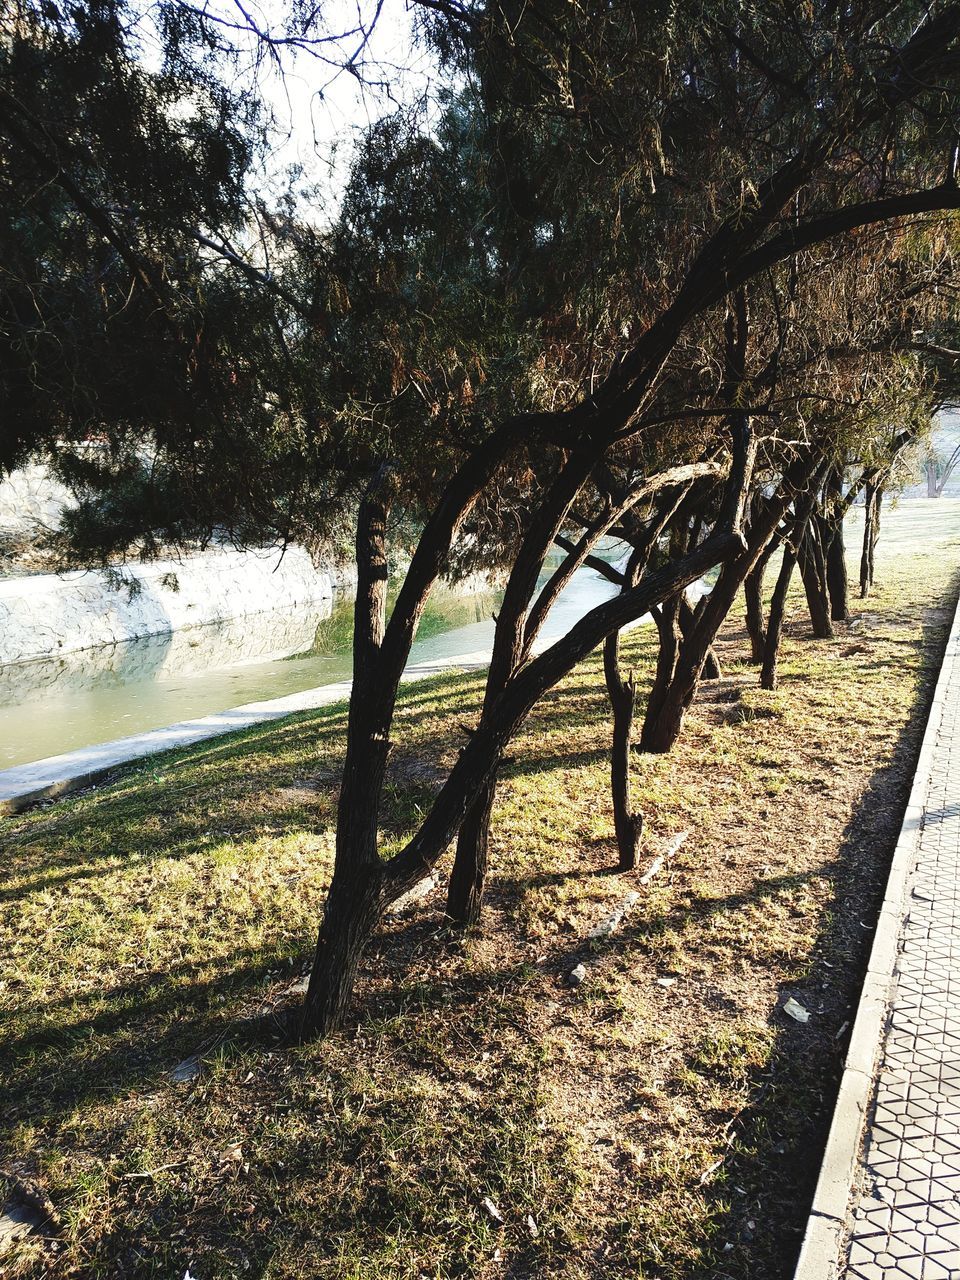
{"x": 827, "y": 1224}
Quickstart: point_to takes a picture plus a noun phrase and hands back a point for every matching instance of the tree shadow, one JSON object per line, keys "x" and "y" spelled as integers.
{"x": 142, "y": 1029}
{"x": 123, "y": 1040}
{"x": 763, "y": 1193}
{"x": 127, "y": 802}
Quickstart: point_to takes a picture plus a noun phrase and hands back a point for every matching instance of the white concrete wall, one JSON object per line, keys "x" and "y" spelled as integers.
{"x": 46, "y": 615}
{"x": 264, "y": 637}
{"x": 31, "y": 500}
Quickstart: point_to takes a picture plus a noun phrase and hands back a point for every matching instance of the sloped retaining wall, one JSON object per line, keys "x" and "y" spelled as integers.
{"x": 31, "y": 499}
{"x": 47, "y": 615}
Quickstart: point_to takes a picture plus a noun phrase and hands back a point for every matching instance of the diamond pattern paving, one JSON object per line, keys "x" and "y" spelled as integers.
{"x": 904, "y": 1221}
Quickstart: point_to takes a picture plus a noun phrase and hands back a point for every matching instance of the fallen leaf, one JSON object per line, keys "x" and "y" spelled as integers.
{"x": 492, "y": 1210}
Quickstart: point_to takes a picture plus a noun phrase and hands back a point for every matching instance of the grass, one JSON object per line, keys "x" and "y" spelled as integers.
{"x": 663, "y": 1121}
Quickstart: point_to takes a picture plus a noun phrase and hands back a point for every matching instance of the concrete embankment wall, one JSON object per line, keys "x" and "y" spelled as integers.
{"x": 31, "y": 499}
{"x": 45, "y": 615}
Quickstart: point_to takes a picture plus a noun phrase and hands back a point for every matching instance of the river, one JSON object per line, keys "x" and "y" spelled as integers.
{"x": 51, "y": 706}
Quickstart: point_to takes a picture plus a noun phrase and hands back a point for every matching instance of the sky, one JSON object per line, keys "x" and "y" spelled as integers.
{"x": 320, "y": 107}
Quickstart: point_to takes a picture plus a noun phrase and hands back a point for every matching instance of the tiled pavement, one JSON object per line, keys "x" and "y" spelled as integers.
{"x": 903, "y": 1216}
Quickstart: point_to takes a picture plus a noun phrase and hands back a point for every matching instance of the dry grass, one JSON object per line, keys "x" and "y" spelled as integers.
{"x": 663, "y": 1120}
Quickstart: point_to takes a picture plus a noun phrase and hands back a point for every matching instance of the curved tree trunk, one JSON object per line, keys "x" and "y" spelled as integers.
{"x": 363, "y": 884}
{"x": 469, "y": 874}
{"x": 771, "y": 655}
{"x": 622, "y": 693}
{"x": 688, "y": 618}
{"x": 830, "y": 527}
{"x": 661, "y": 731}
{"x": 667, "y": 620}
{"x": 753, "y": 597}
{"x": 813, "y": 573}
{"x": 677, "y": 680}
{"x": 355, "y": 900}
{"x": 768, "y": 673}
{"x": 512, "y": 641}
{"x": 354, "y": 907}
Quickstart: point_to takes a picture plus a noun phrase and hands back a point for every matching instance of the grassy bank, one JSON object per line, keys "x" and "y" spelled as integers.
{"x": 665, "y": 1119}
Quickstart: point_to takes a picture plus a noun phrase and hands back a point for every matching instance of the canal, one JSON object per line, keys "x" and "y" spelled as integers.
{"x": 51, "y": 706}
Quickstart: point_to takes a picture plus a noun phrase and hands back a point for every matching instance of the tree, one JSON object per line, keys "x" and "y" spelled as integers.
{"x": 502, "y": 308}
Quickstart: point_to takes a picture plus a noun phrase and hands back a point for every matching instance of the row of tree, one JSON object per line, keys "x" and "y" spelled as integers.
{"x": 679, "y": 273}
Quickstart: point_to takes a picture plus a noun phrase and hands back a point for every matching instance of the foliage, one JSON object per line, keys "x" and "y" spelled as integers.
{"x": 633, "y": 239}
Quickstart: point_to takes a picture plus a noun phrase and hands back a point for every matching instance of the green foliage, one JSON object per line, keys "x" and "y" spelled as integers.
{"x": 202, "y": 361}
{"x": 84, "y": 343}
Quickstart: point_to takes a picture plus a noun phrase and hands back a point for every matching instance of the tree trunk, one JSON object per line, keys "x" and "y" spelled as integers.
{"x": 830, "y": 527}
{"x": 688, "y": 618}
{"x": 355, "y": 900}
{"x": 353, "y": 909}
{"x": 871, "y": 532}
{"x": 867, "y": 540}
{"x": 363, "y": 888}
{"x": 877, "y": 515}
{"x": 771, "y": 653}
{"x": 469, "y": 876}
{"x": 667, "y": 620}
{"x": 513, "y": 638}
{"x": 771, "y": 657}
{"x": 813, "y": 573}
{"x": 622, "y": 693}
{"x": 661, "y": 730}
{"x": 838, "y": 586}
{"x": 753, "y": 596}
{"x": 676, "y": 682}
{"x": 363, "y": 885}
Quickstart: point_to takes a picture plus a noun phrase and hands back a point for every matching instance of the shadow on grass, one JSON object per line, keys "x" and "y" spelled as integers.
{"x": 89, "y": 831}
{"x": 140, "y": 1030}
{"x": 164, "y": 1015}
{"x": 763, "y": 1193}
{"x": 123, "y": 1040}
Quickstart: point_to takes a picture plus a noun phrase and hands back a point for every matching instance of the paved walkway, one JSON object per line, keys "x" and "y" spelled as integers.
{"x": 888, "y": 1203}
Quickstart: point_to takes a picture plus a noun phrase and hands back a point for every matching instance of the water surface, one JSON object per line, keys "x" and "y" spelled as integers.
{"x": 58, "y": 705}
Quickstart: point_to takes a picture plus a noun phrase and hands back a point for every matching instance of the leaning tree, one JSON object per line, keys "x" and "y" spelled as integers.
{"x": 746, "y": 231}
{"x": 492, "y": 317}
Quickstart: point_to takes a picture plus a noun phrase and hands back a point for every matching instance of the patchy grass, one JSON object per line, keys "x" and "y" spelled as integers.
{"x": 663, "y": 1120}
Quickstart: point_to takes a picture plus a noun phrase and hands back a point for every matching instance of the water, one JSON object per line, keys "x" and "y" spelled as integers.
{"x": 95, "y": 696}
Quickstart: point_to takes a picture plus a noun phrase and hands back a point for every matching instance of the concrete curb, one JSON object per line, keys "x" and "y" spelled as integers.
{"x": 46, "y": 779}
{"x": 826, "y": 1227}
